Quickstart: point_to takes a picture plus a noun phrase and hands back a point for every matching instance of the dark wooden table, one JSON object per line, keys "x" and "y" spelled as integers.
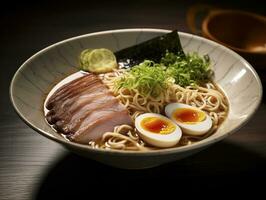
{"x": 33, "y": 167}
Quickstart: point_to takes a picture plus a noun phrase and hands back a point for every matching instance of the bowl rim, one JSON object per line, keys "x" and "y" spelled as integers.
{"x": 201, "y": 144}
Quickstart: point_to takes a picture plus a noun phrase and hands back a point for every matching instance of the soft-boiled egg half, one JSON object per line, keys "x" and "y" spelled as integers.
{"x": 157, "y": 130}
{"x": 192, "y": 121}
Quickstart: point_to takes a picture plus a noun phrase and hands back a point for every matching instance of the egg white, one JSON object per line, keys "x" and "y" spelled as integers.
{"x": 156, "y": 139}
{"x": 197, "y": 129}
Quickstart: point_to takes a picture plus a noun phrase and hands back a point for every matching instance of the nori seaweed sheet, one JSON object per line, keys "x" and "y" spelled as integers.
{"x": 153, "y": 49}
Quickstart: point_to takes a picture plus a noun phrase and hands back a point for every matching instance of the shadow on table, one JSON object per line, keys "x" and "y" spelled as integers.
{"x": 222, "y": 166}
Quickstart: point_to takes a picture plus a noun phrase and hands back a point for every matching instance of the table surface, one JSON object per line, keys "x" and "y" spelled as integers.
{"x": 33, "y": 167}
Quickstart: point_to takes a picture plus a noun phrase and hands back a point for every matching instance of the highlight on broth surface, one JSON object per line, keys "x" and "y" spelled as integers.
{"x": 157, "y": 97}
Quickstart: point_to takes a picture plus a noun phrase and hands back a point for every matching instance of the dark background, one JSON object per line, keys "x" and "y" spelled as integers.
{"x": 33, "y": 167}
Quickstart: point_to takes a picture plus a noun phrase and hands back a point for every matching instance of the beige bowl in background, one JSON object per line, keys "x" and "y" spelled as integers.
{"x": 42, "y": 71}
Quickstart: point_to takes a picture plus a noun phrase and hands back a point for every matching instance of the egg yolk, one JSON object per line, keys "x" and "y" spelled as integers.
{"x": 188, "y": 115}
{"x": 157, "y": 125}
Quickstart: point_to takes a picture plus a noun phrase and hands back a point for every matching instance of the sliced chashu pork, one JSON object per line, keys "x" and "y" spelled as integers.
{"x": 84, "y": 109}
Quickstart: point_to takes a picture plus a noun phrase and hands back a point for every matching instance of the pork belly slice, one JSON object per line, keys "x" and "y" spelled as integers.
{"x": 101, "y": 125}
{"x": 68, "y": 108}
{"x": 83, "y": 116}
{"x": 84, "y": 109}
{"x": 72, "y": 89}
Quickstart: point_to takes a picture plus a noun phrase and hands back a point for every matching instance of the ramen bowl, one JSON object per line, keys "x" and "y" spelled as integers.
{"x": 36, "y": 77}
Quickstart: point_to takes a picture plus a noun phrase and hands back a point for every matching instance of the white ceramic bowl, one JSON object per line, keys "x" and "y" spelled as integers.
{"x": 42, "y": 71}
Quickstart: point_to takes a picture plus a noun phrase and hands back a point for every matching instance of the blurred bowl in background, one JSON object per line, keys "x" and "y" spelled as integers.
{"x": 243, "y": 32}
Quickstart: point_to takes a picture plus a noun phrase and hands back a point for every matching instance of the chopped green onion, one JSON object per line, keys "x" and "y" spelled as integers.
{"x": 151, "y": 78}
